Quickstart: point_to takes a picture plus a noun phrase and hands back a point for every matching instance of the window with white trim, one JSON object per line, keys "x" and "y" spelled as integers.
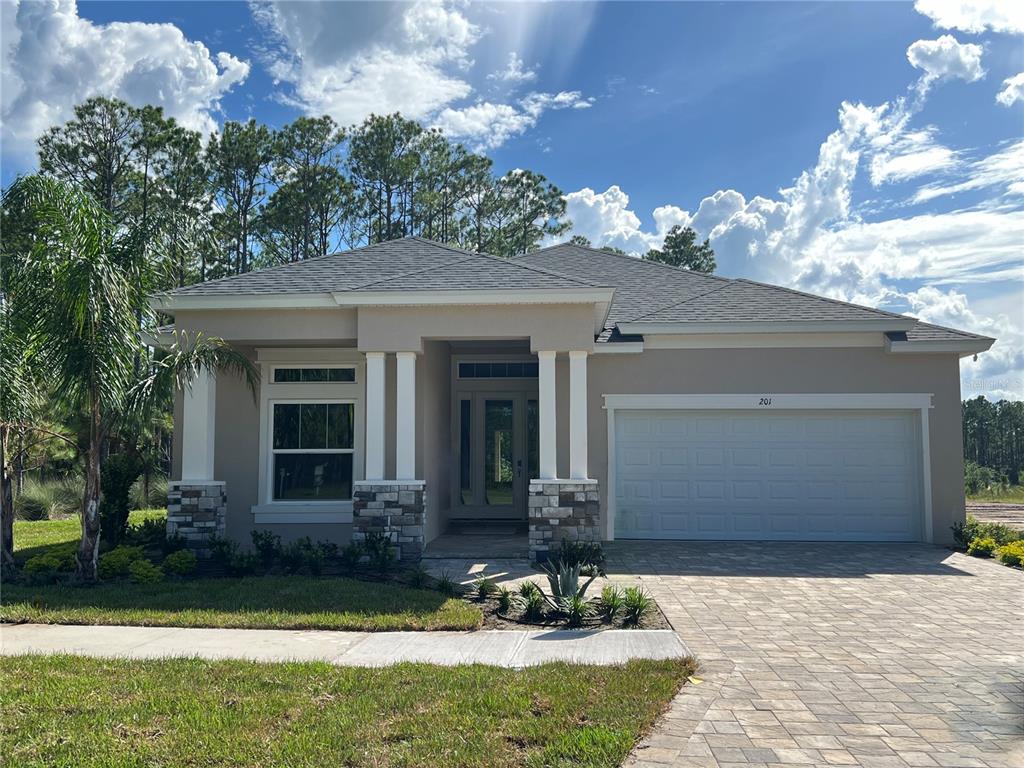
{"x": 314, "y": 374}
{"x": 312, "y": 450}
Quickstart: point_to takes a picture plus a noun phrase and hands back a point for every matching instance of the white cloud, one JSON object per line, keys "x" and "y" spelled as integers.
{"x": 53, "y": 59}
{"x": 1003, "y": 168}
{"x": 514, "y": 71}
{"x": 974, "y": 16}
{"x": 812, "y": 236}
{"x": 1013, "y": 90}
{"x": 351, "y": 60}
{"x": 487, "y": 125}
{"x": 947, "y": 58}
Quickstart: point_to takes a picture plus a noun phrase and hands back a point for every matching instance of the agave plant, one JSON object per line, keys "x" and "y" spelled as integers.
{"x": 564, "y": 579}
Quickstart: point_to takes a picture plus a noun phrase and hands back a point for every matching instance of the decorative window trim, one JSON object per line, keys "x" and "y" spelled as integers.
{"x": 267, "y": 509}
{"x": 273, "y": 452}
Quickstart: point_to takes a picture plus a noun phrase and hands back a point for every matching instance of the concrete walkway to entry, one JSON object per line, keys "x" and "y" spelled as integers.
{"x": 357, "y": 649}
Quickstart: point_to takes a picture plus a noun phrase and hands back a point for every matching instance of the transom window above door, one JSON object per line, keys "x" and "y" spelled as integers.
{"x": 312, "y": 452}
{"x": 314, "y": 375}
{"x": 512, "y": 369}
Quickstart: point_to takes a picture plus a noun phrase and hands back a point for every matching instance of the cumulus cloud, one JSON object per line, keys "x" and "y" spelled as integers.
{"x": 974, "y": 16}
{"x": 53, "y": 59}
{"x": 1013, "y": 90}
{"x": 514, "y": 71}
{"x": 487, "y": 125}
{"x": 812, "y": 236}
{"x": 947, "y": 59}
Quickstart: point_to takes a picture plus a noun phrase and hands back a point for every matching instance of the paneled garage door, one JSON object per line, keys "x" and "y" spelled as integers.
{"x": 784, "y": 475}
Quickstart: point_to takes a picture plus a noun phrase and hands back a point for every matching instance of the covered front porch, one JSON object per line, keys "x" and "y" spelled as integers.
{"x": 463, "y": 460}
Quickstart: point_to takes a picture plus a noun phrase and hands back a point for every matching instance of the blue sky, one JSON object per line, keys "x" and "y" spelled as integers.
{"x": 870, "y": 151}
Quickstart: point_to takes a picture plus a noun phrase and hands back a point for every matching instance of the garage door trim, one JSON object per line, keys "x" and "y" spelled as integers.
{"x": 768, "y": 401}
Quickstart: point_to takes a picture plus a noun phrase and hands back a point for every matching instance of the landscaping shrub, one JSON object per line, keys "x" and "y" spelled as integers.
{"x": 117, "y": 474}
{"x": 418, "y": 577}
{"x": 534, "y": 605}
{"x": 144, "y": 572}
{"x": 379, "y": 551}
{"x": 222, "y": 550}
{"x": 267, "y": 546}
{"x": 446, "y": 586}
{"x": 485, "y": 587}
{"x": 982, "y": 547}
{"x": 506, "y": 599}
{"x": 564, "y": 579}
{"x": 972, "y": 529}
{"x": 181, "y": 563}
{"x": 242, "y": 563}
{"x": 350, "y": 557}
{"x": 301, "y": 554}
{"x": 55, "y": 560}
{"x": 587, "y": 554}
{"x": 155, "y": 499}
{"x": 576, "y": 608}
{"x": 118, "y": 561}
{"x": 636, "y": 605}
{"x": 527, "y": 588}
{"x": 611, "y": 602}
{"x": 1011, "y": 554}
{"x": 42, "y": 500}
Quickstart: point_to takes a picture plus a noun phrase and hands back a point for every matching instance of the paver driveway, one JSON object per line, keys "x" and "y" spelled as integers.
{"x": 837, "y": 654}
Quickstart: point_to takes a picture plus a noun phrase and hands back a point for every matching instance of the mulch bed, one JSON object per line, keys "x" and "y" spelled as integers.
{"x": 493, "y": 620}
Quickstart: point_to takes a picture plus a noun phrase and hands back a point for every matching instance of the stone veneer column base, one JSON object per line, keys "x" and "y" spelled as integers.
{"x": 563, "y": 510}
{"x": 395, "y": 508}
{"x": 196, "y": 511}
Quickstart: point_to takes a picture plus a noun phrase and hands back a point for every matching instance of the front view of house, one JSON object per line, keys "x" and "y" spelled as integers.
{"x": 416, "y": 389}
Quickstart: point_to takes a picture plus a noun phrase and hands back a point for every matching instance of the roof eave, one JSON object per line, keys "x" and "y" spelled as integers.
{"x": 760, "y": 326}
{"x": 962, "y": 347}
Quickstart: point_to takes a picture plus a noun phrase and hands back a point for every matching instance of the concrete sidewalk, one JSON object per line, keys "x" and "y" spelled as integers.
{"x": 360, "y": 649}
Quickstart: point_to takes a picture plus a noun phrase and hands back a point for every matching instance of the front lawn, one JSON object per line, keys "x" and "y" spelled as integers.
{"x": 72, "y": 711}
{"x": 35, "y": 537}
{"x": 266, "y": 602}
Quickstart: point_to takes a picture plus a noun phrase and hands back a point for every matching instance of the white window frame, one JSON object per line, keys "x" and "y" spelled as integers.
{"x": 268, "y": 510}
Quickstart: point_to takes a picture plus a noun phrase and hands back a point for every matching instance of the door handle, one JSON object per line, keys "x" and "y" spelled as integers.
{"x": 519, "y": 468}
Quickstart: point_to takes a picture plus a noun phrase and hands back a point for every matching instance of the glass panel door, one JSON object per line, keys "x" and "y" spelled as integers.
{"x": 499, "y": 452}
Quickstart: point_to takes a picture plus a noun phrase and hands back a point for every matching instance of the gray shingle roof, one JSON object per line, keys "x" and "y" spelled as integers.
{"x": 644, "y": 290}
{"x": 640, "y": 286}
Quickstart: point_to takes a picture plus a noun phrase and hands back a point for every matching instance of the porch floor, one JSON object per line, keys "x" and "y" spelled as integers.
{"x": 506, "y": 541}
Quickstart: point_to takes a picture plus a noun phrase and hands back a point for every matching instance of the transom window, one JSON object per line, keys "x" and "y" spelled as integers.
{"x": 515, "y": 369}
{"x": 309, "y": 375}
{"x": 312, "y": 450}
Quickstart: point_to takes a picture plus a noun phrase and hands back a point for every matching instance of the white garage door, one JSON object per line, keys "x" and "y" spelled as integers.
{"x": 784, "y": 475}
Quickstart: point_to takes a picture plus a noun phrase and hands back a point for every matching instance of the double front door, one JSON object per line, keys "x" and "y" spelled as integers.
{"x": 496, "y": 454}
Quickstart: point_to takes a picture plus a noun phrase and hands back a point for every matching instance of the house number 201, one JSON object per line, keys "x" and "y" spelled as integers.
{"x": 765, "y": 401}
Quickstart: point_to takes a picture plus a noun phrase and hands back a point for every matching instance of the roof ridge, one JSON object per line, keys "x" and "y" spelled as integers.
{"x": 400, "y": 275}
{"x": 541, "y": 270}
{"x": 632, "y": 259}
{"x": 824, "y": 298}
{"x": 701, "y": 295}
{"x": 439, "y": 244}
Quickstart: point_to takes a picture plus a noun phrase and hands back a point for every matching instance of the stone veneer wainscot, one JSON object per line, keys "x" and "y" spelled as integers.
{"x": 563, "y": 510}
{"x": 395, "y": 508}
{"x": 196, "y": 512}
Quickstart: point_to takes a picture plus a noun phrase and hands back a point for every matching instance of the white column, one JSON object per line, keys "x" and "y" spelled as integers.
{"x": 197, "y": 428}
{"x": 546, "y": 416}
{"x": 405, "y": 417}
{"x": 374, "y": 415}
{"x": 578, "y": 415}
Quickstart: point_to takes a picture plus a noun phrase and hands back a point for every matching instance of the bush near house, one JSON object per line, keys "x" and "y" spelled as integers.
{"x": 1011, "y": 554}
{"x": 980, "y": 539}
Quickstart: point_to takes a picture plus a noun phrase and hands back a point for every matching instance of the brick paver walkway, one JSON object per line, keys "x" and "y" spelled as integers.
{"x": 828, "y": 654}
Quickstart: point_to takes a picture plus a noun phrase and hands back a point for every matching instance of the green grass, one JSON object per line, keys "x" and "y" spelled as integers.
{"x": 1010, "y": 494}
{"x": 34, "y": 537}
{"x": 257, "y": 602}
{"x": 69, "y": 711}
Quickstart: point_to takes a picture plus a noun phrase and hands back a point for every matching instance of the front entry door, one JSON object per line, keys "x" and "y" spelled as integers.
{"x": 497, "y": 454}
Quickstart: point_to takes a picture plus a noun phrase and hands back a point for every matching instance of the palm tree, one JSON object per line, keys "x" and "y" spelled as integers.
{"x": 80, "y": 293}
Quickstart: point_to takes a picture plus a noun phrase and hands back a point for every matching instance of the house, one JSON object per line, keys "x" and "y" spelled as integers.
{"x": 411, "y": 388}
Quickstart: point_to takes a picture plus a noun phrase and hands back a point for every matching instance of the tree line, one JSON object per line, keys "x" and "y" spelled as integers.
{"x": 994, "y": 436}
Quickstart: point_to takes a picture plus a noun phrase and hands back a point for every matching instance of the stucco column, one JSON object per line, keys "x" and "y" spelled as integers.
{"x": 197, "y": 428}
{"x": 578, "y": 415}
{"x": 405, "y": 416}
{"x": 546, "y": 415}
{"x": 374, "y": 415}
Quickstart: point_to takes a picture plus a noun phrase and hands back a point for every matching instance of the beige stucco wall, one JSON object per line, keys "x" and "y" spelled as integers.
{"x": 778, "y": 371}
{"x": 400, "y": 329}
{"x": 684, "y": 371}
{"x": 300, "y": 327}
